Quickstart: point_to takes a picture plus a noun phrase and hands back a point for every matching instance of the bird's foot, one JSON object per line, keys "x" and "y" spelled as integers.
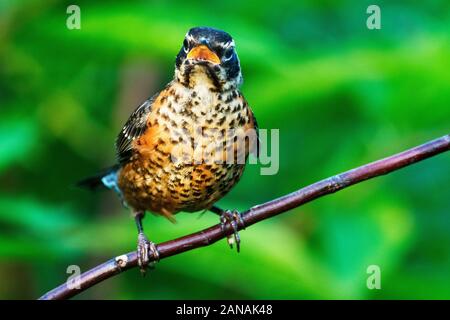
{"x": 146, "y": 252}
{"x": 234, "y": 218}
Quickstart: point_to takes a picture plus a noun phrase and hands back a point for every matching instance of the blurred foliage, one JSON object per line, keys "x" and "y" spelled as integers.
{"x": 340, "y": 94}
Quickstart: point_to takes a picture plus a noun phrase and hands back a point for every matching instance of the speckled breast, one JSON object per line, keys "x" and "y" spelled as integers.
{"x": 174, "y": 188}
{"x": 191, "y": 154}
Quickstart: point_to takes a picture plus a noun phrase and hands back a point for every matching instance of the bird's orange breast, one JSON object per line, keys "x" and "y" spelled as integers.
{"x": 158, "y": 179}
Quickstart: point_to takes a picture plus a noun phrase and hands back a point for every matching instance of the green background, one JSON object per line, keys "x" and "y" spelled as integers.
{"x": 340, "y": 94}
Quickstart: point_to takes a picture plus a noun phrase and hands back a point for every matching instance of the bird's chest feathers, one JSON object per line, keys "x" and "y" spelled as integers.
{"x": 201, "y": 105}
{"x": 201, "y": 100}
{"x": 199, "y": 93}
{"x": 195, "y": 117}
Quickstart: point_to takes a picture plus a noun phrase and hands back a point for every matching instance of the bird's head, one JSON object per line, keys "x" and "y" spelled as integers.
{"x": 208, "y": 55}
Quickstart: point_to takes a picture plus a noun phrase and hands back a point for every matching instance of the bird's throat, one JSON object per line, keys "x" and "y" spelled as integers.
{"x": 200, "y": 75}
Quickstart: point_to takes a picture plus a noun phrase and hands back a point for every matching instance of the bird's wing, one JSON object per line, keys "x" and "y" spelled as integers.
{"x": 133, "y": 128}
{"x": 254, "y": 124}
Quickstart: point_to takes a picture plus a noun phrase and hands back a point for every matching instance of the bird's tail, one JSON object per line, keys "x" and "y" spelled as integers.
{"x": 104, "y": 179}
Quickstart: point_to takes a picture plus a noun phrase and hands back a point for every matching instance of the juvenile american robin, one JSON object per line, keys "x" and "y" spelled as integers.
{"x": 186, "y": 147}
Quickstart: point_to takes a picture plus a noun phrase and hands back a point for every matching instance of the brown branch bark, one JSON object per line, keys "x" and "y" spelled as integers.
{"x": 255, "y": 214}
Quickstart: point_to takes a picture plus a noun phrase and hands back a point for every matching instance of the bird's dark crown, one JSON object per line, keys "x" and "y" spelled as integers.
{"x": 211, "y": 35}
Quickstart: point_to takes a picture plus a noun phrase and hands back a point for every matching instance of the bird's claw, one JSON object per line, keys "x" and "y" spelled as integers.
{"x": 234, "y": 218}
{"x": 146, "y": 250}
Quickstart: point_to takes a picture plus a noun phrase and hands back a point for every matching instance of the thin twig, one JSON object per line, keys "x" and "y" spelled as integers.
{"x": 258, "y": 213}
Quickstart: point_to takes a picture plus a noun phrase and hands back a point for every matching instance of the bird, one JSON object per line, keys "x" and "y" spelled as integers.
{"x": 186, "y": 147}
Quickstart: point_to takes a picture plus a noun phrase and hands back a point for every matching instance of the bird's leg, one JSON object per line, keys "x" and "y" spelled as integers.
{"x": 145, "y": 248}
{"x": 234, "y": 218}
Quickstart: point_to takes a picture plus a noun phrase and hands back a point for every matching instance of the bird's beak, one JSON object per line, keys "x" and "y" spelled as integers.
{"x": 202, "y": 52}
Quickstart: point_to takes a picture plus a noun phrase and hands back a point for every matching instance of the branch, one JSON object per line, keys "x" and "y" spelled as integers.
{"x": 258, "y": 213}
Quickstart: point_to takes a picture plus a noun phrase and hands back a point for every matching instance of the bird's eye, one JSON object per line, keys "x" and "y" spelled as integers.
{"x": 228, "y": 54}
{"x": 185, "y": 46}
